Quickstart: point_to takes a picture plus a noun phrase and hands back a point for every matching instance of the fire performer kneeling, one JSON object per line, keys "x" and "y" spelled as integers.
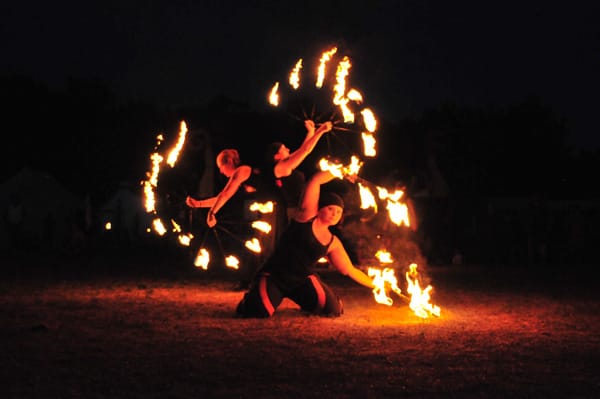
{"x": 287, "y": 272}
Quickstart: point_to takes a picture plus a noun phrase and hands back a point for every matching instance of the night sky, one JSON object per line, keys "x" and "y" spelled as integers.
{"x": 407, "y": 55}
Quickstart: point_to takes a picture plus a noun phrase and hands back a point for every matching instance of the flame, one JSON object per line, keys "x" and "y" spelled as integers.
{"x": 185, "y": 239}
{"x": 322, "y": 259}
{"x": 419, "y": 299}
{"x": 174, "y": 153}
{"x": 274, "y": 96}
{"x": 369, "y": 120}
{"x": 262, "y": 226}
{"x": 266, "y": 207}
{"x": 202, "y": 259}
{"x": 339, "y": 89}
{"x": 338, "y": 169}
{"x": 385, "y": 194}
{"x": 354, "y": 95}
{"x": 367, "y": 199}
{"x": 383, "y": 279}
{"x": 176, "y": 227}
{"x": 232, "y": 262}
{"x": 159, "y": 227}
{"x": 333, "y": 168}
{"x": 325, "y": 57}
{"x": 108, "y": 226}
{"x": 384, "y": 256}
{"x": 398, "y": 213}
{"x": 295, "y": 75}
{"x": 340, "y": 77}
{"x": 369, "y": 145}
{"x": 152, "y": 181}
{"x": 253, "y": 245}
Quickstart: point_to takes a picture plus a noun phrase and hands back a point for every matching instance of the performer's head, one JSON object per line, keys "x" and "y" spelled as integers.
{"x": 276, "y": 151}
{"x": 228, "y": 160}
{"x": 331, "y": 207}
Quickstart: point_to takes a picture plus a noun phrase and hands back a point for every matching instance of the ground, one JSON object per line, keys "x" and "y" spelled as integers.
{"x": 518, "y": 332}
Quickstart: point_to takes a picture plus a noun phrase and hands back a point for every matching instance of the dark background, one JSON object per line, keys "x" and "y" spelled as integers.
{"x": 499, "y": 100}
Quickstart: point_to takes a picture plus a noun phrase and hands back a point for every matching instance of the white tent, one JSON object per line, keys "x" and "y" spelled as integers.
{"x": 48, "y": 207}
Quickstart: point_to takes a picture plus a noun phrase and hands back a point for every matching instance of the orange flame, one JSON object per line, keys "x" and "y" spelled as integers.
{"x": 355, "y": 96}
{"x": 367, "y": 199}
{"x": 174, "y": 154}
{"x": 274, "y": 95}
{"x": 321, "y": 71}
{"x": 185, "y": 239}
{"x": 339, "y": 89}
{"x": 383, "y": 279}
{"x": 338, "y": 169}
{"x": 369, "y": 120}
{"x": 266, "y": 207}
{"x": 384, "y": 256}
{"x": 369, "y": 145}
{"x": 419, "y": 299}
{"x": 398, "y": 211}
{"x": 295, "y": 75}
{"x": 159, "y": 227}
{"x": 232, "y": 262}
{"x": 253, "y": 245}
{"x": 152, "y": 182}
{"x": 202, "y": 259}
{"x": 261, "y": 226}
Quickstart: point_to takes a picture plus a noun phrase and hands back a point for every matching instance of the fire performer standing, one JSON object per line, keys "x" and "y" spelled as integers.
{"x": 287, "y": 272}
{"x": 283, "y": 164}
{"x": 244, "y": 184}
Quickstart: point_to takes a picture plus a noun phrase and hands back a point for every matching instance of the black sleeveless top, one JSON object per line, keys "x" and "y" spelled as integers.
{"x": 297, "y": 251}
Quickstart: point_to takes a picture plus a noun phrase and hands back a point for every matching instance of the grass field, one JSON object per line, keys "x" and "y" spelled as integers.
{"x": 122, "y": 328}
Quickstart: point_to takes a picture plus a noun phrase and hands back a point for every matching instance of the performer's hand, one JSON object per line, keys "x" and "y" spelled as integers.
{"x": 325, "y": 127}
{"x": 211, "y": 220}
{"x": 310, "y": 127}
{"x": 189, "y": 201}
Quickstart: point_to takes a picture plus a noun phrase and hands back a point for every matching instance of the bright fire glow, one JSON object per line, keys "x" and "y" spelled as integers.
{"x": 369, "y": 145}
{"x": 382, "y": 279}
{"x": 185, "y": 239}
{"x": 339, "y": 170}
{"x": 385, "y": 280}
{"x": 202, "y": 259}
{"x": 367, "y": 199}
{"x": 176, "y": 227}
{"x": 174, "y": 153}
{"x": 398, "y": 213}
{"x": 253, "y": 245}
{"x": 339, "y": 90}
{"x": 266, "y": 207}
{"x": 355, "y": 96}
{"x": 323, "y": 62}
{"x": 274, "y": 95}
{"x": 108, "y": 226}
{"x": 369, "y": 120}
{"x": 232, "y": 262}
{"x": 295, "y": 75}
{"x": 261, "y": 226}
{"x": 419, "y": 299}
{"x": 152, "y": 182}
{"x": 384, "y": 256}
{"x": 159, "y": 227}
